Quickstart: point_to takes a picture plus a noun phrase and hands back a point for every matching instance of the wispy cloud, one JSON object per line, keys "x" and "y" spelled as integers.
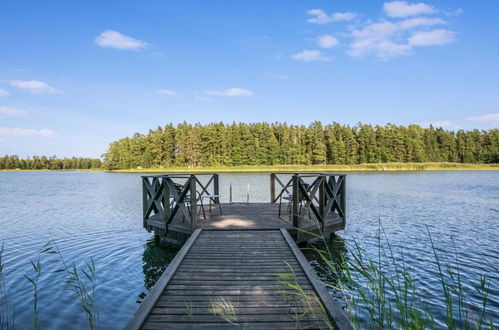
{"x": 26, "y": 132}
{"x": 3, "y": 92}
{"x": 400, "y": 9}
{"x": 327, "y": 41}
{"x": 489, "y": 118}
{"x": 35, "y": 86}
{"x": 114, "y": 39}
{"x": 321, "y": 17}
{"x": 166, "y": 92}
{"x": 432, "y": 38}
{"x": 401, "y": 28}
{"x": 310, "y": 56}
{"x": 230, "y": 92}
{"x": 387, "y": 39}
{"x": 12, "y": 112}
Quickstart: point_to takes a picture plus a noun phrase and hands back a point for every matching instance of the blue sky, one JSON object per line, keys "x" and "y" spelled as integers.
{"x": 76, "y": 75}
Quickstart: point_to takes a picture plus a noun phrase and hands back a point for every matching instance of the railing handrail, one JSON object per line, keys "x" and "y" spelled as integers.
{"x": 324, "y": 195}
{"x": 162, "y": 196}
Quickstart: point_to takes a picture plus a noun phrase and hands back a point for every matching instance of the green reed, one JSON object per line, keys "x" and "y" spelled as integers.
{"x": 80, "y": 280}
{"x": 6, "y": 311}
{"x": 385, "y": 289}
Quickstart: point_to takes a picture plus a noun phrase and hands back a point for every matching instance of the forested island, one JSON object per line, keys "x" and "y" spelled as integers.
{"x": 264, "y": 144}
{"x": 241, "y": 144}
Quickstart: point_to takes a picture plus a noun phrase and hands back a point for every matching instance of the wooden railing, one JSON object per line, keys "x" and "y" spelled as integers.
{"x": 313, "y": 196}
{"x": 173, "y": 199}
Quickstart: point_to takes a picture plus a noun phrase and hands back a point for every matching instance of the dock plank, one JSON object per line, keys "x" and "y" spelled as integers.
{"x": 233, "y": 279}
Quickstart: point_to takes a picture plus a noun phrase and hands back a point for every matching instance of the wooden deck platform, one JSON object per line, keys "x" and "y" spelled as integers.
{"x": 238, "y": 279}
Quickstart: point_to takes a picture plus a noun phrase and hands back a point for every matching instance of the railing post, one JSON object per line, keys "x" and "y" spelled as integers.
{"x": 296, "y": 201}
{"x": 194, "y": 212}
{"x": 322, "y": 200}
{"x": 144, "y": 201}
{"x": 272, "y": 187}
{"x": 343, "y": 197}
{"x": 166, "y": 199}
{"x": 216, "y": 188}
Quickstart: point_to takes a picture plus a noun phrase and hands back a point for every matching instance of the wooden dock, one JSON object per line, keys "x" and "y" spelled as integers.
{"x": 249, "y": 279}
{"x": 240, "y": 266}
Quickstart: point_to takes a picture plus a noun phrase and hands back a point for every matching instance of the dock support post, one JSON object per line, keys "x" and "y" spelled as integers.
{"x": 166, "y": 201}
{"x": 216, "y": 188}
{"x": 343, "y": 198}
{"x": 144, "y": 201}
{"x": 322, "y": 202}
{"x": 272, "y": 187}
{"x": 194, "y": 210}
{"x": 296, "y": 204}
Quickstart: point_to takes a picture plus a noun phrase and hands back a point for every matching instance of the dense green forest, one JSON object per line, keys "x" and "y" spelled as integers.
{"x": 48, "y": 163}
{"x": 236, "y": 144}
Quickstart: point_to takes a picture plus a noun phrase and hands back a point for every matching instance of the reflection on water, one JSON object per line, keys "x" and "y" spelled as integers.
{"x": 155, "y": 260}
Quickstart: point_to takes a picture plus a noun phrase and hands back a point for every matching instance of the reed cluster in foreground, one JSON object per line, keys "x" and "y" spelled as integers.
{"x": 385, "y": 290}
{"x": 80, "y": 280}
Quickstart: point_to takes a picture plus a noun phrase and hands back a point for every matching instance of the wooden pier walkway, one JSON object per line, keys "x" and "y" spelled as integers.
{"x": 241, "y": 267}
{"x": 249, "y": 279}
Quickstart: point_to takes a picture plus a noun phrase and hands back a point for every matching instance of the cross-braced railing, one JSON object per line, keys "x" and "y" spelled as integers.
{"x": 313, "y": 196}
{"x": 173, "y": 198}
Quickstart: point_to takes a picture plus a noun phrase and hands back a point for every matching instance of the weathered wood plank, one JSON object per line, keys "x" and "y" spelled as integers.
{"x": 141, "y": 314}
{"x": 226, "y": 325}
{"x": 339, "y": 318}
{"x": 240, "y": 269}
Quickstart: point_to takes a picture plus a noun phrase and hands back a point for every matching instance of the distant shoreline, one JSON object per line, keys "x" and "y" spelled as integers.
{"x": 375, "y": 167}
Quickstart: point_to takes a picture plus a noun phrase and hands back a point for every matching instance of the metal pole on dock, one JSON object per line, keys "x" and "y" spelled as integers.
{"x": 230, "y": 193}
{"x": 247, "y": 195}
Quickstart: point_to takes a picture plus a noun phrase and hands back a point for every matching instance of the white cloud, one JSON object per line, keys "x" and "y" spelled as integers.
{"x": 310, "y": 56}
{"x": 490, "y": 118}
{"x": 231, "y": 92}
{"x": 400, "y": 9}
{"x": 35, "y": 86}
{"x": 432, "y": 38}
{"x": 27, "y": 132}
{"x": 11, "y": 112}
{"x": 114, "y": 39}
{"x": 3, "y": 92}
{"x": 387, "y": 39}
{"x": 166, "y": 92}
{"x": 320, "y": 16}
{"x": 328, "y": 41}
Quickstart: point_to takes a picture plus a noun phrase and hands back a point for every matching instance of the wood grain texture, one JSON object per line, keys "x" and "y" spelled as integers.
{"x": 235, "y": 279}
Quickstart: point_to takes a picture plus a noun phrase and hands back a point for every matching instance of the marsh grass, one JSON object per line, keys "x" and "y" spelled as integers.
{"x": 386, "y": 290}
{"x": 302, "y": 306}
{"x": 427, "y": 166}
{"x": 81, "y": 281}
{"x": 6, "y": 311}
{"x": 34, "y": 280}
{"x": 225, "y": 309}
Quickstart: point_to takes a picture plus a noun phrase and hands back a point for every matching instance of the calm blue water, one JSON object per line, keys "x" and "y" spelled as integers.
{"x": 98, "y": 216}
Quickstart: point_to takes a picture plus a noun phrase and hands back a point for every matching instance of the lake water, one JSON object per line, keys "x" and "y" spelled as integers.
{"x": 98, "y": 215}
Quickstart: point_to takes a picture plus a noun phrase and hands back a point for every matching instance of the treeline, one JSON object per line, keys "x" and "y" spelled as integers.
{"x": 220, "y": 144}
{"x": 12, "y": 162}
